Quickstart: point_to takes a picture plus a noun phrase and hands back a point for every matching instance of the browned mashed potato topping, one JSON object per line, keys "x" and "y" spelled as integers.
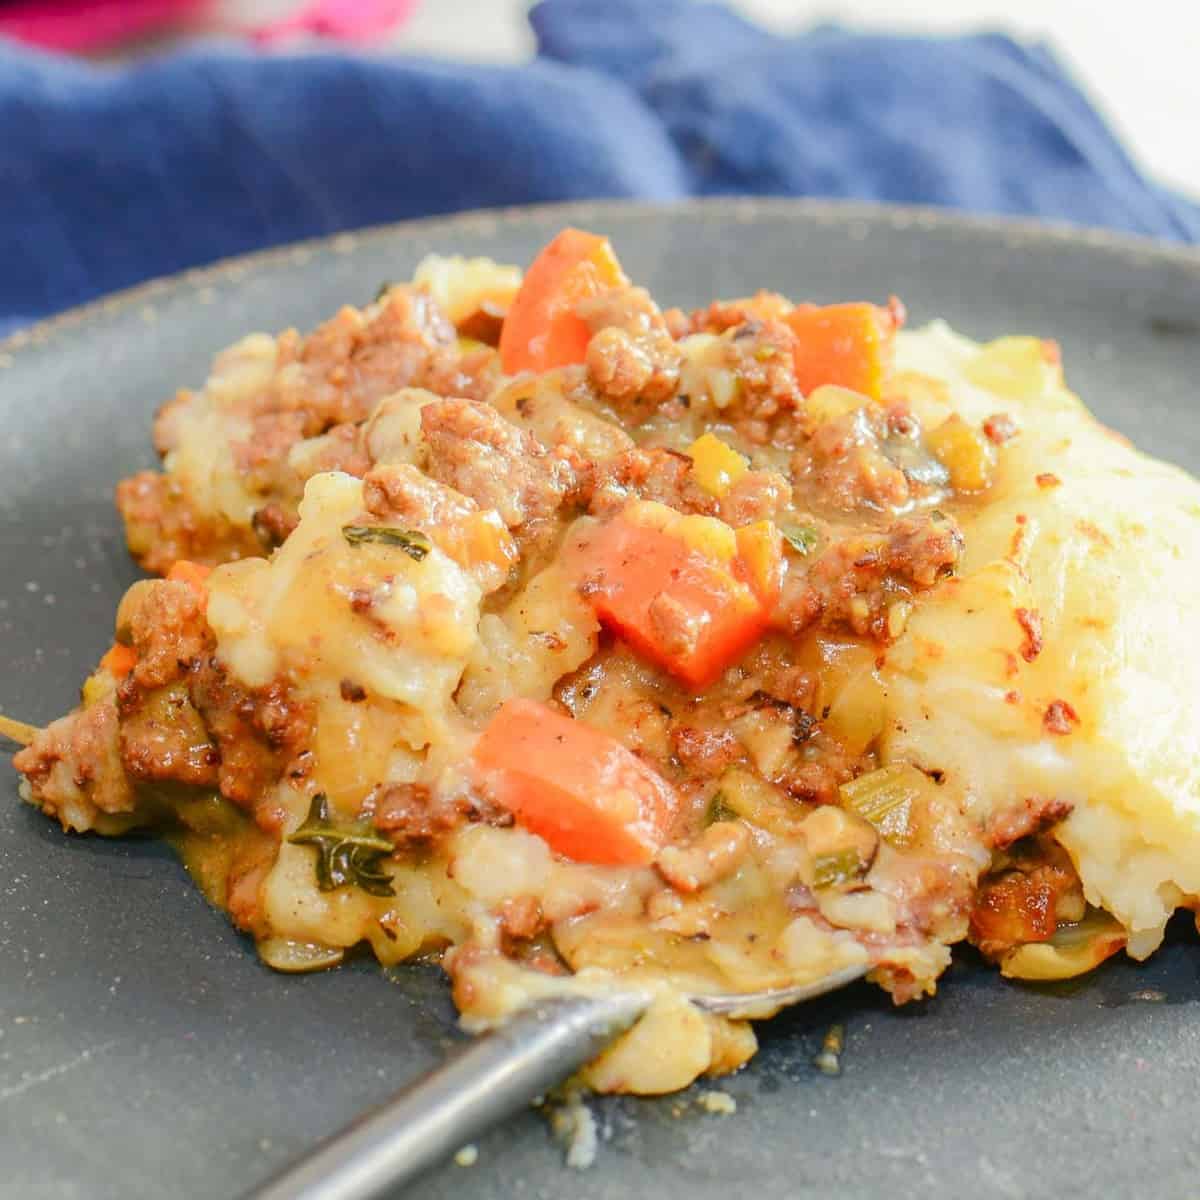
{"x": 574, "y": 643}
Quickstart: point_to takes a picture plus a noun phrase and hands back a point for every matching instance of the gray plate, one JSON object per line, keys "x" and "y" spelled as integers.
{"x": 145, "y": 1052}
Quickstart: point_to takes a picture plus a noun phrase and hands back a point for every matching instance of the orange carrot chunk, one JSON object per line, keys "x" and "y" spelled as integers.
{"x": 541, "y": 329}
{"x": 119, "y": 660}
{"x": 579, "y": 789}
{"x": 849, "y": 345}
{"x": 683, "y": 609}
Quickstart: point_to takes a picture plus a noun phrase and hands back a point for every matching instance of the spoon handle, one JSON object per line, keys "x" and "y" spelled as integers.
{"x": 486, "y": 1081}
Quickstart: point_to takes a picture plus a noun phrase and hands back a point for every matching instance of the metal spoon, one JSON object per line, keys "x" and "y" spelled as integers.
{"x": 488, "y": 1080}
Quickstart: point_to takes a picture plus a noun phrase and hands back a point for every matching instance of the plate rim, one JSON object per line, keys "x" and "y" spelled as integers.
{"x": 1136, "y": 249}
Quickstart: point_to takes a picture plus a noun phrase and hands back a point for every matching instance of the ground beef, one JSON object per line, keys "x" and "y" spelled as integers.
{"x": 183, "y": 721}
{"x": 167, "y": 628}
{"x": 769, "y": 406}
{"x": 74, "y": 769}
{"x": 787, "y": 683}
{"x": 722, "y": 315}
{"x": 933, "y": 896}
{"x": 705, "y": 751}
{"x": 348, "y": 365}
{"x": 413, "y": 812}
{"x": 923, "y": 549}
{"x": 632, "y": 359}
{"x": 649, "y": 474}
{"x": 1025, "y": 903}
{"x": 339, "y": 449}
{"x": 856, "y": 582}
{"x": 258, "y": 732}
{"x": 474, "y": 450}
{"x": 664, "y": 475}
{"x": 399, "y": 493}
{"x": 521, "y": 918}
{"x": 274, "y": 523}
{"x": 164, "y": 740}
{"x": 175, "y": 718}
{"x": 163, "y": 525}
{"x": 325, "y": 383}
{"x": 817, "y": 781}
{"x": 757, "y": 496}
{"x": 845, "y": 466}
{"x": 345, "y": 366}
{"x": 262, "y": 457}
{"x": 1034, "y": 815}
{"x": 472, "y": 375}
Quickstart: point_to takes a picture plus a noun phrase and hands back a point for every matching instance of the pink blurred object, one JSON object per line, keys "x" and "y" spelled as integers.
{"x": 351, "y": 20}
{"x": 79, "y": 25}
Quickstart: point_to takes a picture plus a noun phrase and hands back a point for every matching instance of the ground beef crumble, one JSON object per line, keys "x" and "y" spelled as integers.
{"x": 474, "y": 450}
{"x": 845, "y": 464}
{"x": 652, "y": 473}
{"x": 320, "y": 385}
{"x": 632, "y": 359}
{"x": 1060, "y": 717}
{"x": 1033, "y": 815}
{"x": 74, "y": 767}
{"x": 855, "y": 582}
{"x": 1025, "y": 901}
{"x": 411, "y": 813}
{"x": 340, "y": 370}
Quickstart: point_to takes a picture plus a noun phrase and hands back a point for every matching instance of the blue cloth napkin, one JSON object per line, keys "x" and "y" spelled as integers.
{"x": 111, "y": 175}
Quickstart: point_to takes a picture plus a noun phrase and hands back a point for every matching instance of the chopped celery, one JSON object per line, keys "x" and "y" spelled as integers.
{"x": 830, "y": 870}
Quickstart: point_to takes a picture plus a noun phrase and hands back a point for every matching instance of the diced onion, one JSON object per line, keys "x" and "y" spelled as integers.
{"x": 294, "y": 958}
{"x": 1073, "y": 950}
{"x": 856, "y": 716}
{"x": 828, "y": 402}
{"x": 760, "y": 803}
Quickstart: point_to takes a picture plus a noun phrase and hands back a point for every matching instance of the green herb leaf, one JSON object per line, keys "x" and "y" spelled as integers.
{"x": 414, "y": 543}
{"x": 719, "y": 810}
{"x": 840, "y": 867}
{"x": 802, "y": 538}
{"x": 346, "y": 854}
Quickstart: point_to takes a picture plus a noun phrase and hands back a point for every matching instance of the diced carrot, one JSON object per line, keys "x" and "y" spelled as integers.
{"x": 193, "y": 574}
{"x": 119, "y": 660}
{"x": 760, "y": 559}
{"x": 579, "y": 789}
{"x": 692, "y": 612}
{"x": 541, "y": 329}
{"x": 845, "y": 344}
